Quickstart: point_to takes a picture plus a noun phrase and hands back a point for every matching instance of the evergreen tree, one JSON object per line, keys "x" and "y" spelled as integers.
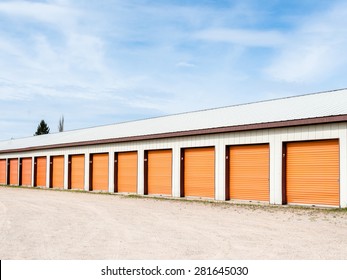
{"x": 42, "y": 128}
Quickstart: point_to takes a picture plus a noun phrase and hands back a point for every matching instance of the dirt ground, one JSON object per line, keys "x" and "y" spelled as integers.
{"x": 44, "y": 224}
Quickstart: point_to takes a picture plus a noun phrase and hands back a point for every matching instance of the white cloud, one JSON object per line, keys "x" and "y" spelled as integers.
{"x": 185, "y": 64}
{"x": 44, "y": 12}
{"x": 244, "y": 37}
{"x": 315, "y": 50}
{"x": 41, "y": 62}
{"x": 304, "y": 63}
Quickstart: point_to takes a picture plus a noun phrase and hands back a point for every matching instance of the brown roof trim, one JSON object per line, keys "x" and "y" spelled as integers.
{"x": 237, "y": 128}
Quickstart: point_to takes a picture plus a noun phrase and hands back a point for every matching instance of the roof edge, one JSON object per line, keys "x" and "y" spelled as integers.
{"x": 195, "y": 132}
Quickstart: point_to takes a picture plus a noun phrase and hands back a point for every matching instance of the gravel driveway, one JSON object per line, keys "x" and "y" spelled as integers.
{"x": 45, "y": 224}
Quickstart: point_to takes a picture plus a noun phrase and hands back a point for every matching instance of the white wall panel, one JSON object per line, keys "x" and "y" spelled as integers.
{"x": 140, "y": 171}
{"x": 48, "y": 170}
{"x": 32, "y": 170}
{"x": 66, "y": 171}
{"x": 86, "y": 171}
{"x": 111, "y": 172}
{"x": 220, "y": 171}
{"x": 343, "y": 167}
{"x": 276, "y": 169}
{"x": 176, "y": 170}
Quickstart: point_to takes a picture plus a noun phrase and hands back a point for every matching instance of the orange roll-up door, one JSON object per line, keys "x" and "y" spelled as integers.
{"x": 160, "y": 172}
{"x": 312, "y": 173}
{"x": 100, "y": 172}
{"x": 3, "y": 171}
{"x": 40, "y": 176}
{"x": 77, "y": 172}
{"x": 57, "y": 172}
{"x": 249, "y": 172}
{"x": 199, "y": 172}
{"x": 26, "y": 172}
{"x": 127, "y": 172}
{"x": 13, "y": 171}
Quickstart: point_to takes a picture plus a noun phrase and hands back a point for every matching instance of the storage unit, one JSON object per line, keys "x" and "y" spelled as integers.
{"x": 198, "y": 175}
{"x": 40, "y": 172}
{"x": 312, "y": 172}
{"x": 13, "y": 171}
{"x": 126, "y": 172}
{"x": 57, "y": 172}
{"x": 76, "y": 172}
{"x": 2, "y": 171}
{"x": 99, "y": 172}
{"x": 287, "y": 150}
{"x": 249, "y": 172}
{"x": 159, "y": 172}
{"x": 26, "y": 172}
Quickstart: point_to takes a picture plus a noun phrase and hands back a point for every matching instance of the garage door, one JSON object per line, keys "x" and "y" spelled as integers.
{"x": 126, "y": 172}
{"x": 99, "y": 172}
{"x": 76, "y": 172}
{"x": 26, "y": 170}
{"x": 13, "y": 171}
{"x": 40, "y": 176}
{"x": 3, "y": 171}
{"x": 249, "y": 172}
{"x": 159, "y": 172}
{"x": 199, "y": 172}
{"x": 57, "y": 169}
{"x": 312, "y": 173}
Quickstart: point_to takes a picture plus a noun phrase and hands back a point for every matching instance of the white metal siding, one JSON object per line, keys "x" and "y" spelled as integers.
{"x": 275, "y": 137}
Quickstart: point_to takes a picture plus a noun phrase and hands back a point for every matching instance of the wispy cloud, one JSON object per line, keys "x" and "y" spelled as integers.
{"x": 314, "y": 50}
{"x": 244, "y": 37}
{"x": 53, "y": 13}
{"x": 185, "y": 64}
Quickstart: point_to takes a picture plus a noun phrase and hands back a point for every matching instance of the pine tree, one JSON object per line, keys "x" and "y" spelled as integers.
{"x": 42, "y": 128}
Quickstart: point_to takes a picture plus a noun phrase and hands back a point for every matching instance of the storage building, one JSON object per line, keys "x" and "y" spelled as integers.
{"x": 282, "y": 151}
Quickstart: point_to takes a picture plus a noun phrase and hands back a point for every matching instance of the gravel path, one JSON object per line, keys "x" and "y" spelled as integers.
{"x": 44, "y": 224}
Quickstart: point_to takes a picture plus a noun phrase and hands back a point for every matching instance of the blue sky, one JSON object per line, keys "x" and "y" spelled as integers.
{"x": 107, "y": 61}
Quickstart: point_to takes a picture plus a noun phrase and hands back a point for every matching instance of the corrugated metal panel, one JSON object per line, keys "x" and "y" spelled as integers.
{"x": 77, "y": 172}
{"x": 26, "y": 171}
{"x": 127, "y": 172}
{"x": 57, "y": 172}
{"x": 321, "y": 105}
{"x": 199, "y": 170}
{"x": 100, "y": 172}
{"x": 249, "y": 172}
{"x": 41, "y": 168}
{"x": 13, "y": 171}
{"x": 160, "y": 172}
{"x": 3, "y": 171}
{"x": 312, "y": 173}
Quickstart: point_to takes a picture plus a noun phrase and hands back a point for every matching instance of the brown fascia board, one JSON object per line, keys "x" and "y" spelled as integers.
{"x": 204, "y": 131}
